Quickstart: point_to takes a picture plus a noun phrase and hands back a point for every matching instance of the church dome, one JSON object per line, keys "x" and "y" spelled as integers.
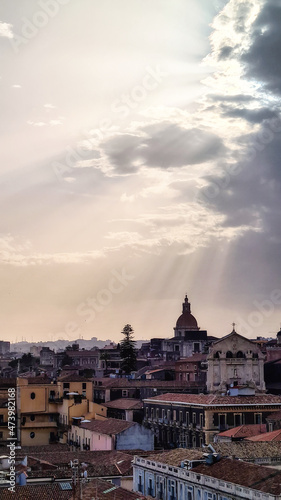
{"x": 187, "y": 320}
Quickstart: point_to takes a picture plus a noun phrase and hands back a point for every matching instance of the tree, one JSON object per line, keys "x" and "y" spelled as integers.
{"x": 128, "y": 352}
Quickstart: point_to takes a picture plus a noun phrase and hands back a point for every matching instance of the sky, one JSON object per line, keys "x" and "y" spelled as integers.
{"x": 139, "y": 162}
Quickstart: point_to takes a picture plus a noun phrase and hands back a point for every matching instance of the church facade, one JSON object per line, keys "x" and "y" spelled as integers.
{"x": 235, "y": 367}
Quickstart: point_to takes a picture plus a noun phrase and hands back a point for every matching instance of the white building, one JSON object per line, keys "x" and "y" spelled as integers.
{"x": 183, "y": 475}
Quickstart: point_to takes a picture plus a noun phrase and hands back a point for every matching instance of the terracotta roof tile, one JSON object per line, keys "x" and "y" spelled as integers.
{"x": 253, "y": 476}
{"x": 267, "y": 436}
{"x": 42, "y": 491}
{"x": 125, "y": 404}
{"x": 103, "y": 490}
{"x": 249, "y": 450}
{"x": 176, "y": 456}
{"x": 214, "y": 400}
{"x": 244, "y": 431}
{"x": 108, "y": 426}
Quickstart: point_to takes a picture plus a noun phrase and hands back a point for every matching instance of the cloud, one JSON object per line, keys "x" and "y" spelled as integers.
{"x": 262, "y": 59}
{"x": 164, "y": 145}
{"x": 251, "y": 115}
{"x": 6, "y": 30}
{"x": 17, "y": 253}
{"x": 49, "y": 106}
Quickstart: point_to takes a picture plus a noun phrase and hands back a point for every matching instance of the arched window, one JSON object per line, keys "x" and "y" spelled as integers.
{"x": 240, "y": 354}
{"x": 229, "y": 354}
{"x": 255, "y": 355}
{"x": 216, "y": 355}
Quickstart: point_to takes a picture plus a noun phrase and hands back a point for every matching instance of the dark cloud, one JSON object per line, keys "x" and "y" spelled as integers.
{"x": 225, "y": 52}
{"x": 123, "y": 150}
{"x": 263, "y": 59}
{"x": 164, "y": 145}
{"x": 231, "y": 98}
{"x": 251, "y": 115}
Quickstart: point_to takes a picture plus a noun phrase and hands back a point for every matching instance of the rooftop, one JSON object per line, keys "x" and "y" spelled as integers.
{"x": 253, "y": 476}
{"x": 125, "y": 404}
{"x": 109, "y": 426}
{"x": 215, "y": 400}
{"x": 244, "y": 431}
{"x": 249, "y": 450}
{"x": 101, "y": 463}
{"x": 96, "y": 488}
{"x": 267, "y": 436}
{"x": 176, "y": 456}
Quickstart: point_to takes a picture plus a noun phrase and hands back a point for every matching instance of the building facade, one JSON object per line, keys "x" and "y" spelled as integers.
{"x": 190, "y": 420}
{"x": 187, "y": 477}
{"x": 235, "y": 365}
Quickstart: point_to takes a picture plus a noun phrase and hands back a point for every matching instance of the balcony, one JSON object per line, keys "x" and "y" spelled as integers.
{"x": 55, "y": 400}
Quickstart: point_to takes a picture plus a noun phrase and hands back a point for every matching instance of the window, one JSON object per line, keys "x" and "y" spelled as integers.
{"x": 169, "y": 415}
{"x": 157, "y": 412}
{"x": 181, "y": 417}
{"x": 187, "y": 377}
{"x": 229, "y": 354}
{"x": 1, "y": 419}
{"x": 150, "y": 487}
{"x": 258, "y": 418}
{"x": 195, "y": 368}
{"x": 194, "y": 441}
{"x": 174, "y": 414}
{"x": 152, "y": 413}
{"x": 201, "y": 420}
{"x": 1, "y": 435}
{"x": 187, "y": 418}
{"x": 163, "y": 414}
{"x": 66, "y": 385}
{"x": 140, "y": 484}
{"x": 32, "y": 395}
{"x": 32, "y": 435}
{"x": 32, "y": 418}
{"x": 84, "y": 386}
{"x": 222, "y": 421}
{"x": 146, "y": 412}
{"x": 194, "y": 418}
{"x": 196, "y": 347}
{"x": 124, "y": 394}
{"x": 237, "y": 419}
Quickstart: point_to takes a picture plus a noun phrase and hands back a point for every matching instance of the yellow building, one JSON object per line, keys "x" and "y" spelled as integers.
{"x": 46, "y": 408}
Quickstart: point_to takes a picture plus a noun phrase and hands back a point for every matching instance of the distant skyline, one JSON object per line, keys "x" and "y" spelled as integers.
{"x": 140, "y": 161}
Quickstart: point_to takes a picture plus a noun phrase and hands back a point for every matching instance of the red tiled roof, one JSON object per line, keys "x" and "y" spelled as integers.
{"x": 214, "y": 400}
{"x": 267, "y": 436}
{"x": 253, "y": 476}
{"x": 108, "y": 426}
{"x": 72, "y": 377}
{"x": 125, "y": 404}
{"x": 101, "y": 463}
{"x": 42, "y": 491}
{"x": 38, "y": 380}
{"x": 243, "y": 431}
{"x": 103, "y": 490}
{"x": 250, "y": 450}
